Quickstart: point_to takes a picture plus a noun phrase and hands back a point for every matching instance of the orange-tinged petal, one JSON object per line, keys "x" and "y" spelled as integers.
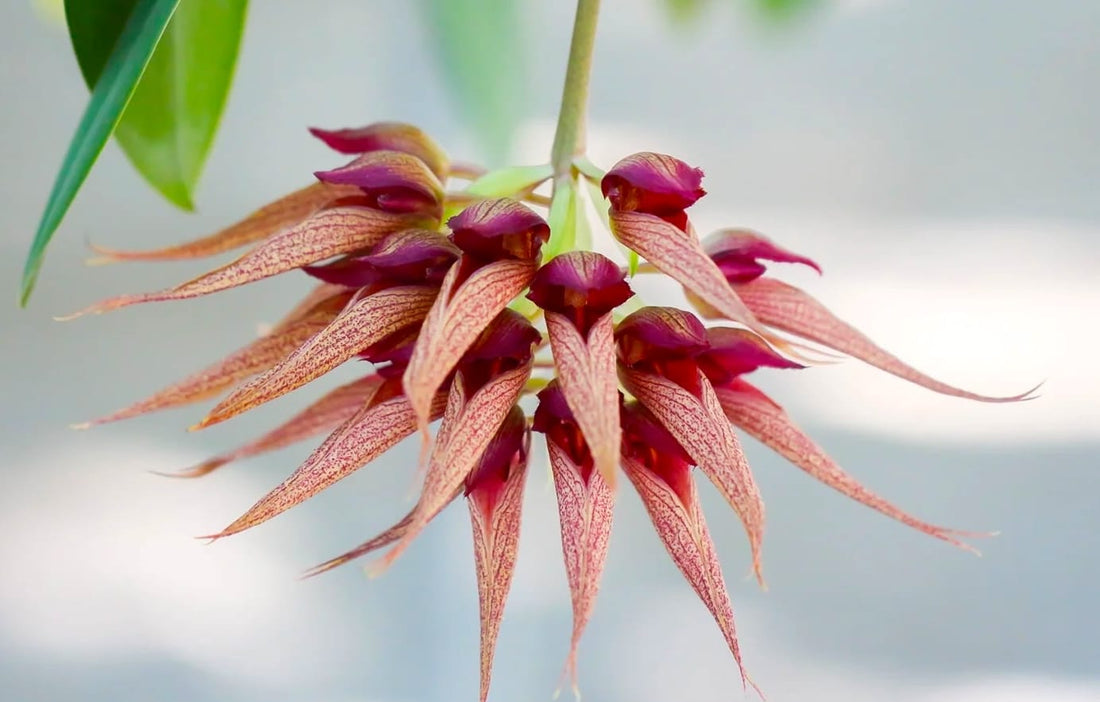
{"x": 787, "y": 308}
{"x": 269, "y": 219}
{"x": 762, "y": 418}
{"x": 468, "y": 427}
{"x": 585, "y": 509}
{"x": 701, "y": 427}
{"x": 496, "y": 520}
{"x": 382, "y": 540}
{"x": 372, "y": 431}
{"x": 327, "y": 413}
{"x": 679, "y": 522}
{"x": 256, "y": 357}
{"x": 364, "y": 322}
{"x": 460, "y": 313}
{"x": 681, "y": 256}
{"x": 324, "y": 235}
{"x": 586, "y": 370}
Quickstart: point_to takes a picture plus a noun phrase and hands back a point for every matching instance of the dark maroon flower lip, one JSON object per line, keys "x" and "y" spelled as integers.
{"x": 734, "y": 352}
{"x": 491, "y": 230}
{"x": 509, "y": 445}
{"x": 660, "y": 333}
{"x": 509, "y": 335}
{"x": 394, "y": 181}
{"x": 386, "y": 136}
{"x": 653, "y": 183}
{"x": 406, "y": 257}
{"x": 554, "y": 419}
{"x": 581, "y": 285}
{"x": 738, "y": 252}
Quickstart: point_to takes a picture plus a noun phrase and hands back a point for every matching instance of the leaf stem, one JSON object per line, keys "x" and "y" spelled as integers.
{"x": 569, "y": 138}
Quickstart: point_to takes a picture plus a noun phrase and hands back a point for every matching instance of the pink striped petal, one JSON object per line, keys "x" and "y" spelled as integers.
{"x": 586, "y": 371}
{"x": 363, "y": 323}
{"x": 766, "y": 421}
{"x": 395, "y": 181}
{"x": 384, "y": 539}
{"x": 264, "y": 222}
{"x": 681, "y": 256}
{"x": 495, "y": 517}
{"x": 679, "y": 522}
{"x": 461, "y": 312}
{"x": 787, "y": 308}
{"x": 373, "y": 430}
{"x": 585, "y": 509}
{"x": 468, "y": 427}
{"x": 390, "y": 136}
{"x": 327, "y": 413}
{"x": 324, "y": 235}
{"x": 737, "y": 253}
{"x": 700, "y": 426}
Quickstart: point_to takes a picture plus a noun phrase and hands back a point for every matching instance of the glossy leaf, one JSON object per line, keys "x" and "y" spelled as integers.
{"x": 113, "y": 90}
{"x": 171, "y": 119}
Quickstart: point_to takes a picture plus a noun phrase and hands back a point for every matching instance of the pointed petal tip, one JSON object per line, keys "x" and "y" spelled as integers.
{"x": 82, "y": 426}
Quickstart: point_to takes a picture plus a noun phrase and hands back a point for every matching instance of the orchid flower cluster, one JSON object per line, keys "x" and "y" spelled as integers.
{"x": 472, "y": 309}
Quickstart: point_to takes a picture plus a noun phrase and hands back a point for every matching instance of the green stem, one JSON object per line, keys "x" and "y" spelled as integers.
{"x": 569, "y": 137}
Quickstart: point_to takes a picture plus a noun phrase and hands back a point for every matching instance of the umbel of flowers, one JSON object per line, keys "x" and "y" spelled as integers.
{"x": 433, "y": 287}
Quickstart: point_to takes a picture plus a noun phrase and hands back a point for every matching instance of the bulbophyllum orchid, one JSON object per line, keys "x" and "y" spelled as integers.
{"x": 463, "y": 317}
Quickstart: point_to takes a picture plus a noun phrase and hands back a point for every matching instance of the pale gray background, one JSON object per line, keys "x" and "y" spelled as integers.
{"x": 941, "y": 159}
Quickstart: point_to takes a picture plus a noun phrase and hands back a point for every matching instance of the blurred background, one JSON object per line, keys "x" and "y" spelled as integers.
{"x": 941, "y": 160}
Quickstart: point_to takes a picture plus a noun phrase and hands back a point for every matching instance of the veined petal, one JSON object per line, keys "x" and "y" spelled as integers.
{"x": 787, "y": 308}
{"x": 373, "y": 430}
{"x": 390, "y": 136}
{"x": 327, "y": 413}
{"x": 701, "y": 427}
{"x": 460, "y": 313}
{"x": 586, "y": 370}
{"x": 737, "y": 253}
{"x": 328, "y": 233}
{"x": 397, "y": 181}
{"x": 269, "y": 219}
{"x": 657, "y": 184}
{"x": 680, "y": 255}
{"x": 256, "y": 357}
{"x": 468, "y": 427}
{"x": 495, "y": 517}
{"x": 585, "y": 508}
{"x": 363, "y": 323}
{"x": 382, "y": 540}
{"x": 679, "y": 522}
{"x": 756, "y": 413}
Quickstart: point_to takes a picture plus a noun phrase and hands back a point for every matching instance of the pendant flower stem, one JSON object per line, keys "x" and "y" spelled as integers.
{"x": 569, "y": 138}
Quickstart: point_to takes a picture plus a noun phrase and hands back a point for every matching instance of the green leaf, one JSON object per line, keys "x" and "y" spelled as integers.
{"x": 479, "y": 48}
{"x": 117, "y": 81}
{"x": 170, "y": 122}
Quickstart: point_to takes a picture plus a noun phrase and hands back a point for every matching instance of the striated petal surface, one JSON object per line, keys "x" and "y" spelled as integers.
{"x": 680, "y": 255}
{"x": 324, "y": 235}
{"x": 460, "y": 313}
{"x": 678, "y": 519}
{"x": 787, "y": 308}
{"x": 372, "y": 431}
{"x": 327, "y": 413}
{"x": 264, "y": 222}
{"x": 701, "y": 427}
{"x": 386, "y": 136}
{"x": 585, "y": 508}
{"x": 762, "y": 418}
{"x": 363, "y": 323}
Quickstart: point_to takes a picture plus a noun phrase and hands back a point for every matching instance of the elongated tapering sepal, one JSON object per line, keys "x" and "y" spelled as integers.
{"x": 787, "y": 308}
{"x": 469, "y": 424}
{"x": 680, "y": 255}
{"x": 586, "y": 506}
{"x": 461, "y": 311}
{"x": 372, "y": 431}
{"x": 673, "y": 507}
{"x": 758, "y": 415}
{"x": 270, "y": 219}
{"x": 256, "y": 357}
{"x": 361, "y": 324}
{"x": 700, "y": 426}
{"x": 327, "y": 413}
{"x": 738, "y": 253}
{"x": 324, "y": 235}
